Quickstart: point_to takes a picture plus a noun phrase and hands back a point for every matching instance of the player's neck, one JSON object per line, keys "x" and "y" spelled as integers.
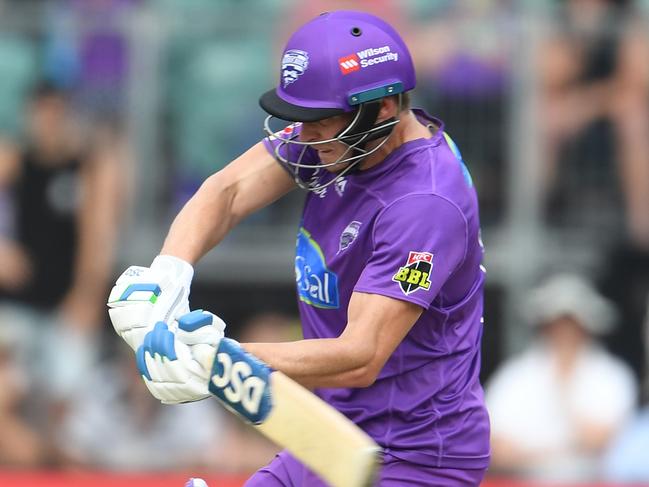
{"x": 408, "y": 129}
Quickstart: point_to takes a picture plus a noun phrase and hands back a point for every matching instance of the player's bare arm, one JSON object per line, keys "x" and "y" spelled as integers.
{"x": 144, "y": 296}
{"x": 376, "y": 325}
{"x": 250, "y": 182}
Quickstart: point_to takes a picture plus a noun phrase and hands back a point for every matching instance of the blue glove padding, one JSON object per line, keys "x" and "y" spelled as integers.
{"x": 166, "y": 361}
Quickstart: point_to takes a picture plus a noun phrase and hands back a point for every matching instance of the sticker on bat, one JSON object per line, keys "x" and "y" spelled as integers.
{"x": 241, "y": 382}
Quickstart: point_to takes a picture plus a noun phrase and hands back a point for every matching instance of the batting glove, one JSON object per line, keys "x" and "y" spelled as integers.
{"x": 143, "y": 296}
{"x": 196, "y": 482}
{"x": 166, "y": 357}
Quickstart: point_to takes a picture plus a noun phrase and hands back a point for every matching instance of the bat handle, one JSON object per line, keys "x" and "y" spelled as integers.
{"x": 204, "y": 355}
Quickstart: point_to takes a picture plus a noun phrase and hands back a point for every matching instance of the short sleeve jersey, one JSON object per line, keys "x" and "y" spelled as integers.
{"x": 408, "y": 229}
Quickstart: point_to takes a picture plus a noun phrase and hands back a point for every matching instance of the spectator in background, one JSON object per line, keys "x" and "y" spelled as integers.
{"x": 14, "y": 269}
{"x": 555, "y": 408}
{"x": 626, "y": 459}
{"x": 595, "y": 86}
{"x": 65, "y": 190}
{"x": 463, "y": 50}
{"x": 87, "y": 47}
{"x": 119, "y": 426}
{"x": 20, "y": 444}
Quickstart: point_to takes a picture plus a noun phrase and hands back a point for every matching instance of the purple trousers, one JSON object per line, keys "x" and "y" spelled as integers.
{"x": 286, "y": 471}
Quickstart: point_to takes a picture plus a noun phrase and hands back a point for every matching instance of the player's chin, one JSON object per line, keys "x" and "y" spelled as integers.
{"x": 336, "y": 168}
{"x": 328, "y": 159}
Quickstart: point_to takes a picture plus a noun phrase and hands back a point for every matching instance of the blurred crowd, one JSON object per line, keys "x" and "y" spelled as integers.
{"x": 571, "y": 404}
{"x": 563, "y": 409}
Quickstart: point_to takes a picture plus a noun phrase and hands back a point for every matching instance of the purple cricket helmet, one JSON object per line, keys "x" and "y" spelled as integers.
{"x": 337, "y": 61}
{"x": 340, "y": 62}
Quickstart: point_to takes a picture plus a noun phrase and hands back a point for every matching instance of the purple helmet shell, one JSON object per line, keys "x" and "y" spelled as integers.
{"x": 334, "y": 63}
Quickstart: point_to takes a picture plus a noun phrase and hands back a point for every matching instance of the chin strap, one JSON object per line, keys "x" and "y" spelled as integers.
{"x": 365, "y": 122}
{"x": 365, "y": 129}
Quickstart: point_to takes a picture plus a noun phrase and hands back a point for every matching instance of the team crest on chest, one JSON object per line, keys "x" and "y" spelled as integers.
{"x": 349, "y": 235}
{"x": 415, "y": 274}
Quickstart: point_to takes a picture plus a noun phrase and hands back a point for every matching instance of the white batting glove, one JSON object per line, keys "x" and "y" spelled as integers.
{"x": 143, "y": 296}
{"x": 196, "y": 482}
{"x": 166, "y": 357}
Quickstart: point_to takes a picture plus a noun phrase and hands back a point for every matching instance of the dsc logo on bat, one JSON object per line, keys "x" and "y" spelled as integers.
{"x": 238, "y": 383}
{"x": 241, "y": 382}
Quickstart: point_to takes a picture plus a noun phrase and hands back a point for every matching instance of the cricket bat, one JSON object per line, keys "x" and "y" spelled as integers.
{"x": 318, "y": 435}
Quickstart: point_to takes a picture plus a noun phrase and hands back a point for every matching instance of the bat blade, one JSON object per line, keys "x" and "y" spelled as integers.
{"x": 318, "y": 435}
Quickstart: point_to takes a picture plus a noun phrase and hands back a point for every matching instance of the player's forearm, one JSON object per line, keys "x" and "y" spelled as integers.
{"x": 203, "y": 222}
{"x": 332, "y": 362}
{"x": 249, "y": 183}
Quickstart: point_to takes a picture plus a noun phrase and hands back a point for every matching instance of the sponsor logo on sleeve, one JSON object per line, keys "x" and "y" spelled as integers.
{"x": 366, "y": 58}
{"x": 415, "y": 274}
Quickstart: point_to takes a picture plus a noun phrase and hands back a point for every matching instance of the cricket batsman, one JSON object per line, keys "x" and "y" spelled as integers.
{"x": 387, "y": 267}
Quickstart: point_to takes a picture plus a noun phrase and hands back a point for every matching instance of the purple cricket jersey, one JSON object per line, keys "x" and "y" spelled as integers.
{"x": 407, "y": 228}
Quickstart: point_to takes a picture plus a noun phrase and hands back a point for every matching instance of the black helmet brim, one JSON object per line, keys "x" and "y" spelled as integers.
{"x": 277, "y": 107}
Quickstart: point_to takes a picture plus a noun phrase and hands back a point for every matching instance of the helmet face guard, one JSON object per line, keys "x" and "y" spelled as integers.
{"x": 361, "y": 130}
{"x": 340, "y": 62}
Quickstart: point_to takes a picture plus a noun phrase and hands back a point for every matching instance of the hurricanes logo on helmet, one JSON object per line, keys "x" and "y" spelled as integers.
{"x": 294, "y": 64}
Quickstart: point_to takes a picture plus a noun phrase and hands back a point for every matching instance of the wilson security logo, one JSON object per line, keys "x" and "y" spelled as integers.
{"x": 294, "y": 64}
{"x": 349, "y": 64}
{"x": 316, "y": 285}
{"x": 366, "y": 58}
{"x": 415, "y": 274}
{"x": 241, "y": 382}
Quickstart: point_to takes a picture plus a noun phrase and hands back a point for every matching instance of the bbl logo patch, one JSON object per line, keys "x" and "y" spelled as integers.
{"x": 414, "y": 275}
{"x": 294, "y": 64}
